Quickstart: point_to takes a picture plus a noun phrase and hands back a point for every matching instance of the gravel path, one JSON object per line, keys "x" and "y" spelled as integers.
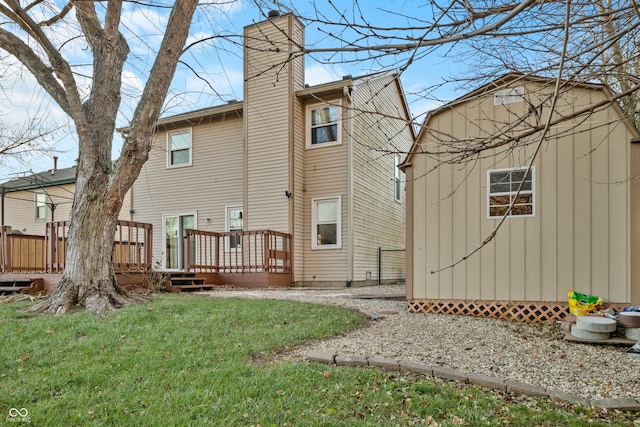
{"x": 531, "y": 353}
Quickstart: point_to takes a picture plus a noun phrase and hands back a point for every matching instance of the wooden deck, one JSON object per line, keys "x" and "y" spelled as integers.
{"x": 250, "y": 259}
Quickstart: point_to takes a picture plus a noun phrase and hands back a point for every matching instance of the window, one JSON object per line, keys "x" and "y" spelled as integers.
{"x": 396, "y": 182}
{"x": 234, "y": 223}
{"x": 502, "y": 186}
{"x": 179, "y": 148}
{"x": 509, "y": 96}
{"x": 323, "y": 125}
{"x": 326, "y": 219}
{"x": 41, "y": 206}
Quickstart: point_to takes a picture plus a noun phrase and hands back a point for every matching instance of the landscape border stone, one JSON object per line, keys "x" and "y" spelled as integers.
{"x": 496, "y": 383}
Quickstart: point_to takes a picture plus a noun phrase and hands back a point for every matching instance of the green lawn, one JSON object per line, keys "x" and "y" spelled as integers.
{"x": 184, "y": 360}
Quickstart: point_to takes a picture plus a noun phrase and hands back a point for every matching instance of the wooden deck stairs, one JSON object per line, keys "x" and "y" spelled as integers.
{"x": 185, "y": 282}
{"x": 22, "y": 286}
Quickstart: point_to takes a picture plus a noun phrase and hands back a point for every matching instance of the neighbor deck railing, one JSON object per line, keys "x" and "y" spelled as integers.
{"x": 28, "y": 253}
{"x": 21, "y": 252}
{"x": 262, "y": 251}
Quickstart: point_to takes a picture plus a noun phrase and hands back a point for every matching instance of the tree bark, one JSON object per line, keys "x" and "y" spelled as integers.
{"x": 89, "y": 280}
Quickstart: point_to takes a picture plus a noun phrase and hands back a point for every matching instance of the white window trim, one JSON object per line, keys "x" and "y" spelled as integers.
{"x": 317, "y": 106}
{"x": 397, "y": 179}
{"x": 314, "y": 223}
{"x": 532, "y": 192}
{"x": 181, "y": 165}
{"x": 35, "y": 206}
{"x": 227, "y": 242}
{"x": 510, "y": 95}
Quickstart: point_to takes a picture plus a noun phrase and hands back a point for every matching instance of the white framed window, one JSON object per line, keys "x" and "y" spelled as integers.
{"x": 397, "y": 189}
{"x": 502, "y": 186}
{"x": 40, "y": 199}
{"x": 179, "y": 152}
{"x": 326, "y": 221}
{"x": 233, "y": 220}
{"x": 323, "y": 125}
{"x": 509, "y": 96}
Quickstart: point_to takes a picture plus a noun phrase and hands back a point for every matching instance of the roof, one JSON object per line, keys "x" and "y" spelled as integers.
{"x": 204, "y": 115}
{"x": 503, "y": 81}
{"x": 48, "y": 178}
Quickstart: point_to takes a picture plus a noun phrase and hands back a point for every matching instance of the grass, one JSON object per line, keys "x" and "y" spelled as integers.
{"x": 185, "y": 360}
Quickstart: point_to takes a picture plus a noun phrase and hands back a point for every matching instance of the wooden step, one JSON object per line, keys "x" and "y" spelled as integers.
{"x": 186, "y": 281}
{"x": 30, "y": 286}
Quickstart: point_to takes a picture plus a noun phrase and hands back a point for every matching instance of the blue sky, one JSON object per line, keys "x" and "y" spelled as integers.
{"x": 220, "y": 65}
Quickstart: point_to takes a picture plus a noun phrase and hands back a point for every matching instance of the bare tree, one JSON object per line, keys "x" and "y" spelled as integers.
{"x": 22, "y": 142}
{"x": 31, "y": 35}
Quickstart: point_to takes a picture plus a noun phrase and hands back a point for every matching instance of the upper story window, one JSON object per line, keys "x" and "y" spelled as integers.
{"x": 179, "y": 148}
{"x": 397, "y": 190}
{"x": 502, "y": 186}
{"x": 40, "y": 206}
{"x": 509, "y": 96}
{"x": 323, "y": 125}
{"x": 234, "y": 223}
{"x": 326, "y": 223}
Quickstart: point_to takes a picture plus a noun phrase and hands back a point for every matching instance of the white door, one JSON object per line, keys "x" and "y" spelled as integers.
{"x": 174, "y": 227}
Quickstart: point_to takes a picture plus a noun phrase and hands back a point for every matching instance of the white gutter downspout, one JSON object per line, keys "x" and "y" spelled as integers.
{"x": 348, "y": 95}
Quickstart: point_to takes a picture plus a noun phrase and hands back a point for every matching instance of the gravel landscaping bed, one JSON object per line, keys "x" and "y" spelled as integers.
{"x": 535, "y": 354}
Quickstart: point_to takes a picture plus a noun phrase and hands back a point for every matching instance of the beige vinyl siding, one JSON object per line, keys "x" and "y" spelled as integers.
{"x": 380, "y": 132}
{"x": 578, "y": 237}
{"x": 19, "y": 210}
{"x": 268, "y": 111}
{"x": 213, "y": 182}
{"x": 326, "y": 176}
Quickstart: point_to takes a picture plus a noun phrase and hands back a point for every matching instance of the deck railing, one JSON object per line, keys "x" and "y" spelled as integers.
{"x": 22, "y": 253}
{"x": 132, "y": 246}
{"x": 262, "y": 251}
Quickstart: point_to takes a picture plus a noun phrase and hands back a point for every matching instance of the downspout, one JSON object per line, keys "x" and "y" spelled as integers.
{"x": 348, "y": 93}
{"x": 2, "y": 204}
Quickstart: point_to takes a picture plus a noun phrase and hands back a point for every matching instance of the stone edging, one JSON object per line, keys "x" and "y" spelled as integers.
{"x": 622, "y": 404}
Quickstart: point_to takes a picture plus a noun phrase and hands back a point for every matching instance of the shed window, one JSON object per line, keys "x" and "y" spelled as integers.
{"x": 179, "y": 148}
{"x": 323, "y": 125}
{"x": 326, "y": 218}
{"x": 509, "y": 96}
{"x": 502, "y": 187}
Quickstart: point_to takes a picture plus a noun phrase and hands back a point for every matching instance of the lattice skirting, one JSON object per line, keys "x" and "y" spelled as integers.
{"x": 516, "y": 311}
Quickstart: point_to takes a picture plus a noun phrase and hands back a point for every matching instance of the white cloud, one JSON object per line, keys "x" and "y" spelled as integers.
{"x": 320, "y": 73}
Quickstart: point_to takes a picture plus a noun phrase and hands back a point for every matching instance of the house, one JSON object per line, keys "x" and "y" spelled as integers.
{"x": 28, "y": 202}
{"x": 315, "y": 167}
{"x": 575, "y": 217}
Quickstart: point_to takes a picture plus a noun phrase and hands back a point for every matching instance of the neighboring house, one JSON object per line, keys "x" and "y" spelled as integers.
{"x": 28, "y": 202}
{"x": 575, "y": 225}
{"x": 317, "y": 163}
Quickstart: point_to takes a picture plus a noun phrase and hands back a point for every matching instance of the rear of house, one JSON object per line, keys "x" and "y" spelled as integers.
{"x": 316, "y": 164}
{"x": 573, "y": 223}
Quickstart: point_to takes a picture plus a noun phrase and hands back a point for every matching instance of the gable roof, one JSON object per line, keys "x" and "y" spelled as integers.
{"x": 49, "y": 178}
{"x": 503, "y": 81}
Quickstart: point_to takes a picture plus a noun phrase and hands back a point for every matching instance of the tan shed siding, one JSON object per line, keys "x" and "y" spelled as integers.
{"x": 578, "y": 237}
{"x": 213, "y": 182}
{"x": 379, "y": 133}
{"x": 325, "y": 176}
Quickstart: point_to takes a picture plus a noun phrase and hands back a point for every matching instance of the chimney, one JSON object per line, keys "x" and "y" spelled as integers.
{"x": 55, "y": 165}
{"x": 273, "y": 14}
